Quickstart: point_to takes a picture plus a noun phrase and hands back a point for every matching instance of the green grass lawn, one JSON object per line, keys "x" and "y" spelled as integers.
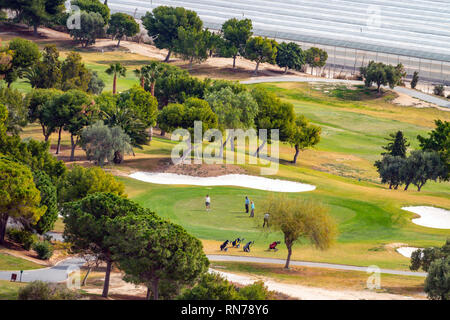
{"x": 355, "y": 122}
{"x": 8, "y": 262}
{"x": 368, "y": 214}
{"x": 9, "y": 290}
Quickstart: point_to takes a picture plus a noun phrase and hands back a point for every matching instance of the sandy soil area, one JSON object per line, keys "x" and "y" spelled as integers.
{"x": 406, "y": 251}
{"x": 239, "y": 180}
{"x": 405, "y": 100}
{"x": 311, "y": 293}
{"x": 431, "y": 217}
{"x": 119, "y": 287}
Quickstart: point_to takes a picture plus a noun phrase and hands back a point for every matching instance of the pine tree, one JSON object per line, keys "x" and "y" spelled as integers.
{"x": 397, "y": 145}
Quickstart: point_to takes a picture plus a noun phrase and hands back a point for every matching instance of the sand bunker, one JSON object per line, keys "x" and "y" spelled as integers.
{"x": 238, "y": 180}
{"x": 406, "y": 251}
{"x": 431, "y": 217}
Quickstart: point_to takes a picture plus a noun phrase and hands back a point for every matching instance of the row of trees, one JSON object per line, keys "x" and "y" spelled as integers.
{"x": 66, "y": 96}
{"x": 180, "y": 31}
{"x": 21, "y": 59}
{"x": 102, "y": 225}
{"x": 96, "y": 22}
{"x": 431, "y": 162}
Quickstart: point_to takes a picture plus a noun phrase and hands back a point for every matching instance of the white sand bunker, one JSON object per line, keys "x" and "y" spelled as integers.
{"x": 238, "y": 180}
{"x": 431, "y": 217}
{"x": 406, "y": 251}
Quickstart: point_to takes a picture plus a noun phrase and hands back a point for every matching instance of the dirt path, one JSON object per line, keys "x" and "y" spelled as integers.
{"x": 311, "y": 293}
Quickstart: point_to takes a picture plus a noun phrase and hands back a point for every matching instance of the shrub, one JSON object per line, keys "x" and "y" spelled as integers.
{"x": 255, "y": 291}
{"x": 439, "y": 90}
{"x": 23, "y": 237}
{"x": 39, "y": 290}
{"x": 44, "y": 249}
{"x": 36, "y": 290}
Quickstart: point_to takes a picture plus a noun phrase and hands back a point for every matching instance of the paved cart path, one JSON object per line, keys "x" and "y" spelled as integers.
{"x": 57, "y": 273}
{"x": 310, "y": 264}
{"x": 60, "y": 272}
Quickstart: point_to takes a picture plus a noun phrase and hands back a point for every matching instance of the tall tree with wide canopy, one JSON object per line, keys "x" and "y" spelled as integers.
{"x": 261, "y": 50}
{"x": 37, "y": 101}
{"x": 316, "y": 58}
{"x": 163, "y": 22}
{"x": 34, "y": 12}
{"x": 428, "y": 166}
{"x": 19, "y": 197}
{"x": 175, "y": 85}
{"x": 25, "y": 54}
{"x": 192, "y": 45}
{"x": 143, "y": 105}
{"x": 304, "y": 135}
{"x": 93, "y": 6}
{"x": 116, "y": 70}
{"x": 122, "y": 24}
{"x": 300, "y": 219}
{"x": 290, "y": 56}
{"x": 273, "y": 114}
{"x": 47, "y": 72}
{"x": 16, "y": 104}
{"x": 381, "y": 74}
{"x": 234, "y": 111}
{"x": 49, "y": 201}
{"x": 86, "y": 222}
{"x": 150, "y": 250}
{"x": 236, "y": 34}
{"x": 390, "y": 170}
{"x": 438, "y": 140}
{"x": 75, "y": 75}
{"x": 437, "y": 283}
{"x": 91, "y": 28}
{"x": 71, "y": 110}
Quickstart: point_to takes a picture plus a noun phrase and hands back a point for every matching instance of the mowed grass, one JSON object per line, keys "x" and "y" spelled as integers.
{"x": 9, "y": 290}
{"x": 8, "y": 262}
{"x": 355, "y": 123}
{"x": 369, "y": 215}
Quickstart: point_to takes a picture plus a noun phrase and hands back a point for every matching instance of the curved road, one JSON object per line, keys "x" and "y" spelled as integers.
{"x": 57, "y": 273}
{"x": 410, "y": 92}
{"x": 60, "y": 271}
{"x": 311, "y": 264}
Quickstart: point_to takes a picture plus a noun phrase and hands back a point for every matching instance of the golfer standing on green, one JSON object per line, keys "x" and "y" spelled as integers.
{"x": 208, "y": 202}
{"x": 252, "y": 206}
{"x": 247, "y": 203}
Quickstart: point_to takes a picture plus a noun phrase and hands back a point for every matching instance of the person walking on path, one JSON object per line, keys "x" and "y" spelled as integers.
{"x": 247, "y": 203}
{"x": 208, "y": 202}
{"x": 252, "y": 206}
{"x": 266, "y": 220}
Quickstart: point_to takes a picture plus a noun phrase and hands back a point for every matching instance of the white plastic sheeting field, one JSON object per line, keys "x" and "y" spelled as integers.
{"x": 405, "y": 25}
{"x": 238, "y": 180}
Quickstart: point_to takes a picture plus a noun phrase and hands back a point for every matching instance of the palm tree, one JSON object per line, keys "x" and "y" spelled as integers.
{"x": 151, "y": 73}
{"x": 140, "y": 73}
{"x": 116, "y": 69}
